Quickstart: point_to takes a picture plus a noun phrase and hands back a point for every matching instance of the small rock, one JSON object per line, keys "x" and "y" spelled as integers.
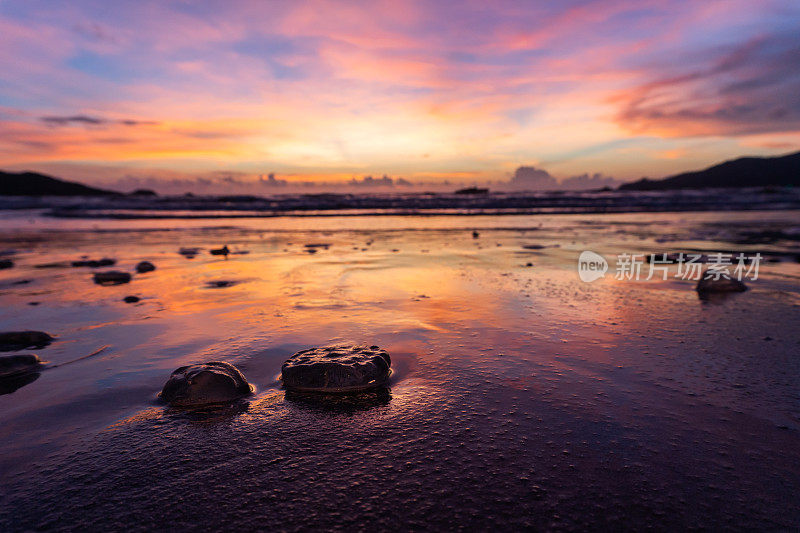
{"x": 189, "y": 253}
{"x": 14, "y": 365}
{"x": 528, "y": 264}
{"x": 130, "y": 299}
{"x": 205, "y": 383}
{"x": 475, "y": 234}
{"x": 221, "y": 284}
{"x": 19, "y": 340}
{"x": 221, "y": 251}
{"x": 94, "y": 263}
{"x": 708, "y": 283}
{"x": 112, "y": 277}
{"x": 6, "y": 263}
{"x": 337, "y": 369}
{"x": 145, "y": 266}
{"x": 13, "y": 383}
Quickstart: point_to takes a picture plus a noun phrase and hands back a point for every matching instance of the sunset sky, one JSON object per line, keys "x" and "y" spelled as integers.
{"x": 330, "y": 91}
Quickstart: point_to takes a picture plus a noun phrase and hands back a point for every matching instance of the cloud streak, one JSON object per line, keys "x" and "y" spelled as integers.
{"x": 753, "y": 88}
{"x": 72, "y": 120}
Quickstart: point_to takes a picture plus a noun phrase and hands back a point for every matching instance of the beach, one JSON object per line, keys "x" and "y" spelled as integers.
{"x": 521, "y": 397}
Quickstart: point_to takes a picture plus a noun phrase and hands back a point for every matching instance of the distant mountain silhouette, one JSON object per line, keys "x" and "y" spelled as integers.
{"x": 35, "y": 184}
{"x": 783, "y": 171}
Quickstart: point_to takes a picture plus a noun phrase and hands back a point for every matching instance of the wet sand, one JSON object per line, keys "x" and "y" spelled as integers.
{"x": 521, "y": 396}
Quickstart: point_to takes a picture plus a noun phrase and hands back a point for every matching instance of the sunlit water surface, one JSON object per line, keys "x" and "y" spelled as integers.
{"x": 521, "y": 396}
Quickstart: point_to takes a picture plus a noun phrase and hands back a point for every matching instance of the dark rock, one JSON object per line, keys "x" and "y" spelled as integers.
{"x": 473, "y": 190}
{"x": 112, "y": 277}
{"x": 14, "y": 383}
{"x": 19, "y": 340}
{"x": 16, "y": 371}
{"x": 189, "y": 253}
{"x": 337, "y": 369}
{"x": 221, "y": 284}
{"x": 6, "y": 263}
{"x": 14, "y": 365}
{"x": 94, "y": 263}
{"x": 221, "y": 251}
{"x": 130, "y": 299}
{"x": 205, "y": 383}
{"x": 708, "y": 284}
{"x": 145, "y": 266}
{"x": 475, "y": 234}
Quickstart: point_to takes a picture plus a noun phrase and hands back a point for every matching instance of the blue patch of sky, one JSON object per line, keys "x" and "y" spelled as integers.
{"x": 109, "y": 67}
{"x": 275, "y": 52}
{"x": 595, "y": 149}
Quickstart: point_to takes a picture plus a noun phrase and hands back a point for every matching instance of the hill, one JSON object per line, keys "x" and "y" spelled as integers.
{"x": 782, "y": 171}
{"x": 35, "y": 184}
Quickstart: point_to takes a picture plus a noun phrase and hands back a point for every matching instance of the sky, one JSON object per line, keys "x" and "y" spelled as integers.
{"x": 179, "y": 95}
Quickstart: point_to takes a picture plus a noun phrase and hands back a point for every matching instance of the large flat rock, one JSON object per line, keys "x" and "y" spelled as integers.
{"x": 342, "y": 368}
